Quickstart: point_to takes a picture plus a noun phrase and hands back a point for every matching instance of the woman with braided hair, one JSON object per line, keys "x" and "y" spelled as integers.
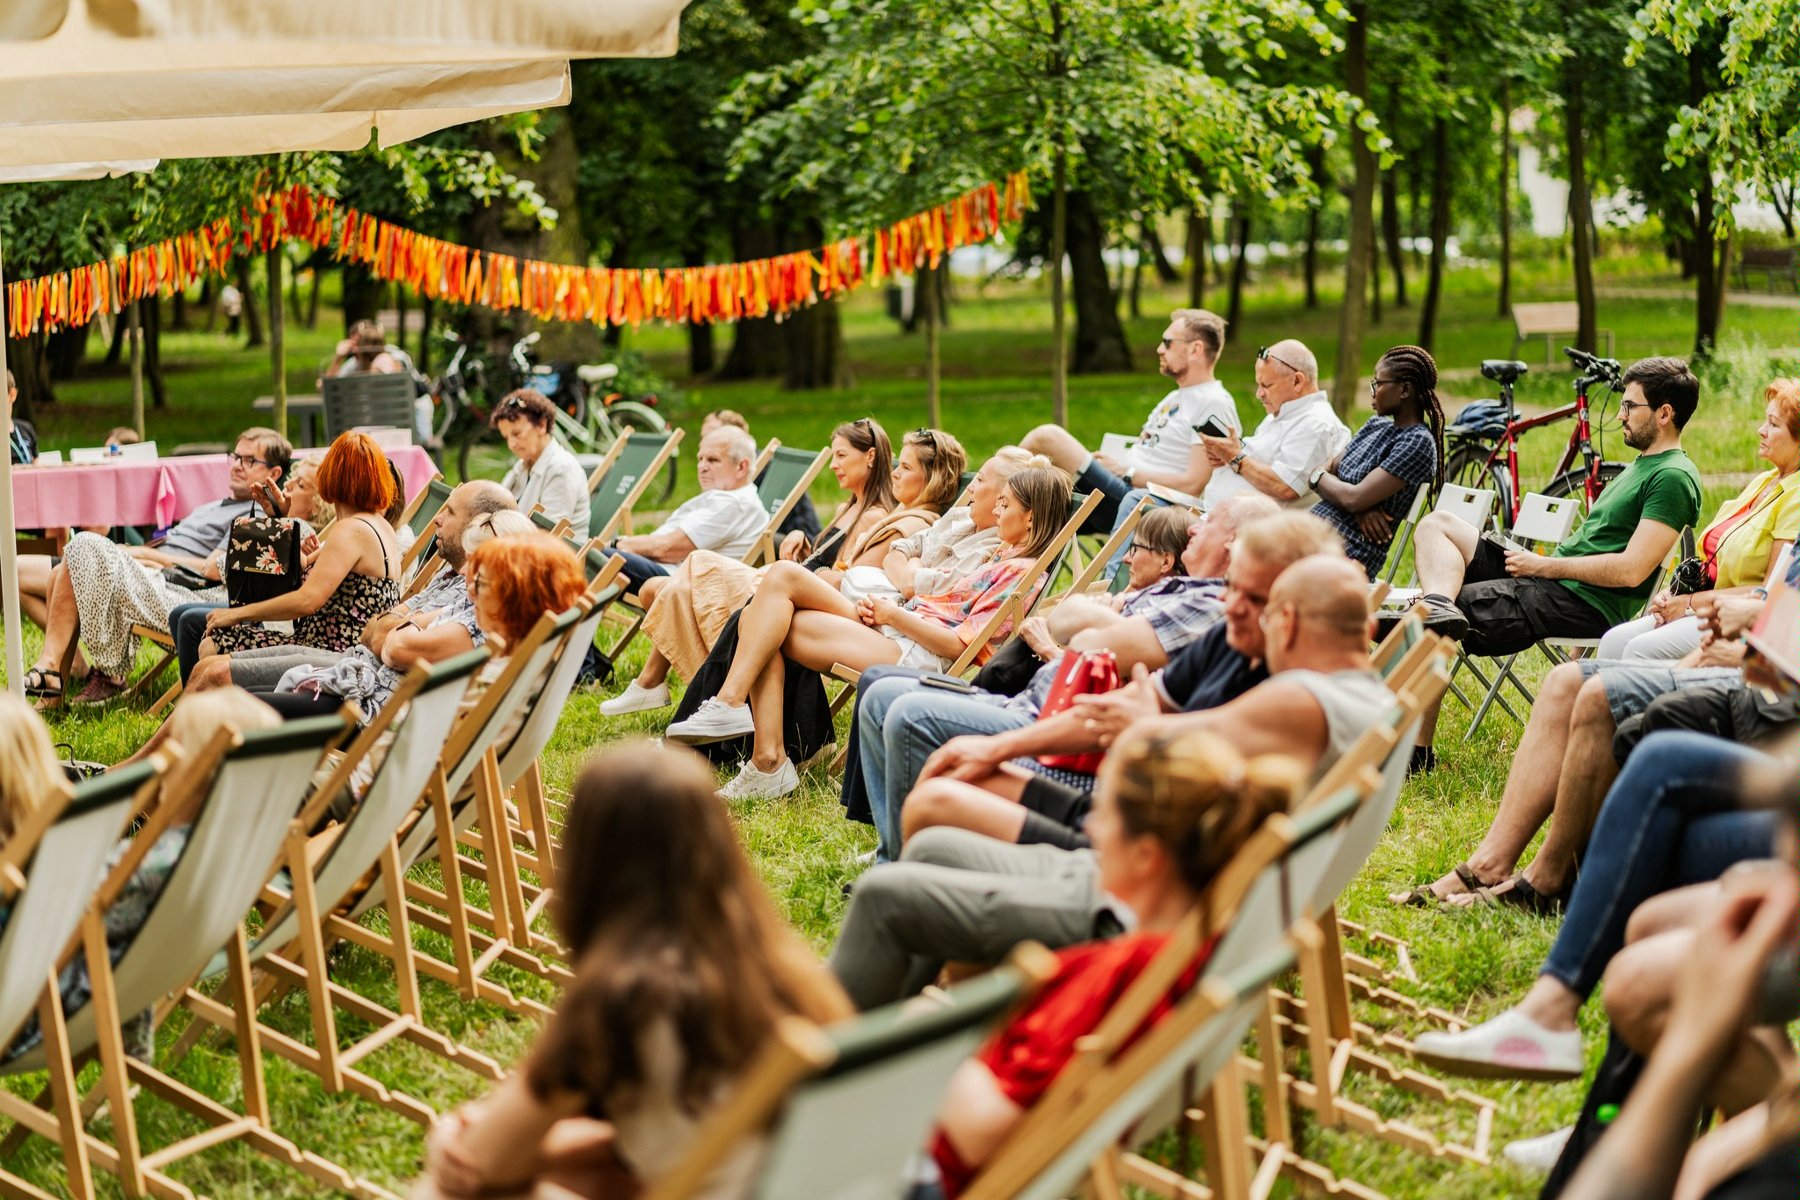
{"x": 1171, "y": 810}
{"x": 1367, "y": 490}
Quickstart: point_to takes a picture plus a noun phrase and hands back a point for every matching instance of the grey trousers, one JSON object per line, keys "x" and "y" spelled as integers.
{"x": 960, "y": 896}
{"x": 263, "y": 666}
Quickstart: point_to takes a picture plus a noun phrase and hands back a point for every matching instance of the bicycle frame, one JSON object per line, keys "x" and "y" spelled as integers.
{"x": 1580, "y": 442}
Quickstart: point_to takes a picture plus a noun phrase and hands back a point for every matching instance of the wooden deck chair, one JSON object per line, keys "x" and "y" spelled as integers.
{"x": 415, "y": 504}
{"x": 789, "y": 474}
{"x": 165, "y": 649}
{"x": 425, "y": 508}
{"x": 1246, "y": 910}
{"x": 631, "y": 465}
{"x": 319, "y": 872}
{"x": 230, "y": 851}
{"x": 762, "y": 459}
{"x": 1090, "y": 574}
{"x": 49, "y": 868}
{"x": 848, "y": 1107}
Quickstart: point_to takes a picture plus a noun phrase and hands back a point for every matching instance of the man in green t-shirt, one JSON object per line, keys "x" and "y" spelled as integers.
{"x": 1498, "y": 601}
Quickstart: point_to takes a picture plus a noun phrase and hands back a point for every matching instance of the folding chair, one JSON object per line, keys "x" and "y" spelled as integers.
{"x": 353, "y": 400}
{"x": 229, "y": 853}
{"x": 1543, "y": 519}
{"x": 1090, "y": 574}
{"x": 789, "y": 474}
{"x": 424, "y": 510}
{"x": 632, "y": 463}
{"x": 49, "y": 868}
{"x": 1403, "y": 536}
{"x": 848, "y": 1107}
{"x": 1467, "y": 504}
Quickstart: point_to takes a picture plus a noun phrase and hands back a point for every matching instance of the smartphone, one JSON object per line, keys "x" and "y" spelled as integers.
{"x": 1212, "y": 428}
{"x": 948, "y": 683}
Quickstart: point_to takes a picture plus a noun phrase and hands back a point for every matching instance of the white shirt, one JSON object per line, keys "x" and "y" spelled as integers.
{"x": 719, "y": 519}
{"x": 951, "y": 548}
{"x": 1293, "y": 443}
{"x": 555, "y": 481}
{"x": 1167, "y": 442}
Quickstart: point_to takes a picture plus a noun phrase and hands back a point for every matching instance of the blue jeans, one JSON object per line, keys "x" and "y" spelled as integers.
{"x": 187, "y": 625}
{"x": 638, "y": 568}
{"x": 1673, "y": 817}
{"x": 1112, "y": 489}
{"x": 902, "y": 723}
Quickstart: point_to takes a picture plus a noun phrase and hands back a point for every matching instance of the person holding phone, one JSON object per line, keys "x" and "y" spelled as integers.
{"x": 1301, "y": 433}
{"x": 1367, "y": 489}
{"x": 1168, "y": 451}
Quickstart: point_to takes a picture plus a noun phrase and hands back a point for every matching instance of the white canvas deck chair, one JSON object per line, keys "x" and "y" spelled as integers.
{"x": 230, "y": 851}
{"x": 848, "y": 1107}
{"x": 49, "y": 869}
{"x": 319, "y": 873}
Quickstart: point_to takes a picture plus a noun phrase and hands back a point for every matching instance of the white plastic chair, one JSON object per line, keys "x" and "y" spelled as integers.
{"x": 1472, "y": 505}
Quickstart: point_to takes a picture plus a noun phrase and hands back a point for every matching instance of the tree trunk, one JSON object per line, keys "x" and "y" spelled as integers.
{"x": 926, "y": 289}
{"x": 1135, "y": 304}
{"x": 1390, "y": 233}
{"x": 209, "y": 300}
{"x": 362, "y": 295}
{"x": 1505, "y": 297}
{"x": 1362, "y": 222}
{"x": 1159, "y": 257}
{"x": 1240, "y": 263}
{"x": 757, "y": 351}
{"x": 1059, "y": 244}
{"x": 815, "y": 348}
{"x": 1440, "y": 233}
{"x": 115, "y": 344}
{"x": 1374, "y": 280}
{"x": 151, "y": 333}
{"x": 312, "y": 298}
{"x": 1708, "y": 281}
{"x": 277, "y": 340}
{"x": 178, "y": 312}
{"x": 26, "y": 358}
{"x": 1581, "y": 203}
{"x": 1413, "y": 229}
{"x": 1315, "y": 168}
{"x": 701, "y": 350}
{"x": 67, "y": 348}
{"x": 253, "y": 330}
{"x": 1099, "y": 335}
{"x": 1198, "y": 224}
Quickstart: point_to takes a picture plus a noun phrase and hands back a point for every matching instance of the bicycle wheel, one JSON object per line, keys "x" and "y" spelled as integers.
{"x": 1472, "y": 465}
{"x": 628, "y": 416}
{"x": 1574, "y": 482}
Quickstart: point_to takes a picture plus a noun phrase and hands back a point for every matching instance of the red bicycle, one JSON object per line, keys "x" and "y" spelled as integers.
{"x": 1484, "y": 438}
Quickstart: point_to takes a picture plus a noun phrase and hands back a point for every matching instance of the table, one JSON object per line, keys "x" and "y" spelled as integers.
{"x": 308, "y": 408}
{"x": 156, "y": 493}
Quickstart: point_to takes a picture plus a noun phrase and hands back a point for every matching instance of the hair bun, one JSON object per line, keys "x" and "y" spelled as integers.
{"x": 1038, "y": 462}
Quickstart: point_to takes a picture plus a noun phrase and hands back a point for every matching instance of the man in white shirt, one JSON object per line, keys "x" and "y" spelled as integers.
{"x": 725, "y": 517}
{"x": 1301, "y": 433}
{"x": 1168, "y": 451}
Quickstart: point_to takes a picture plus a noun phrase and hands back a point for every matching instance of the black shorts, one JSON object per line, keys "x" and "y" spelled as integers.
{"x": 1507, "y": 615}
{"x": 1054, "y": 813}
{"x": 1112, "y": 489}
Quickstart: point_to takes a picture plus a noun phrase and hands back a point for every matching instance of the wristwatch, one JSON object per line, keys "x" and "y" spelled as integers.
{"x": 1127, "y": 475}
{"x": 1312, "y": 481}
{"x": 1237, "y": 462}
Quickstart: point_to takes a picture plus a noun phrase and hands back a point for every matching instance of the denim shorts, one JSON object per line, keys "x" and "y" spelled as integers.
{"x": 1630, "y": 687}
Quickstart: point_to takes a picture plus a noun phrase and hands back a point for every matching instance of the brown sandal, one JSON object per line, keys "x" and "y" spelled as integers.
{"x": 1424, "y": 897}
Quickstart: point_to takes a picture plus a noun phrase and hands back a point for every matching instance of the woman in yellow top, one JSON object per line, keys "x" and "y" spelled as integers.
{"x": 1740, "y": 545}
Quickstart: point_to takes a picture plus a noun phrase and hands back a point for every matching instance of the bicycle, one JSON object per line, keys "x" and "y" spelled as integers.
{"x": 1484, "y": 438}
{"x": 462, "y": 393}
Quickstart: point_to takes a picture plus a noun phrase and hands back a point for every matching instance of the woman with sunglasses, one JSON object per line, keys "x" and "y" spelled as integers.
{"x": 545, "y": 472}
{"x": 1367, "y": 489}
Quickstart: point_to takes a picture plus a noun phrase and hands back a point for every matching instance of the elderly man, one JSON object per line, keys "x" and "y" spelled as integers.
{"x": 1168, "y": 449}
{"x": 959, "y": 895}
{"x": 100, "y": 589}
{"x": 1301, "y": 433}
{"x": 436, "y": 624}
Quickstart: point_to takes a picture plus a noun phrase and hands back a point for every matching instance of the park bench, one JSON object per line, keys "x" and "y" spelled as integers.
{"x": 1549, "y": 319}
{"x": 1775, "y": 262}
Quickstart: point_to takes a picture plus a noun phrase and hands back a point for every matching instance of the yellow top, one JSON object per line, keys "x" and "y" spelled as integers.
{"x": 1745, "y": 554}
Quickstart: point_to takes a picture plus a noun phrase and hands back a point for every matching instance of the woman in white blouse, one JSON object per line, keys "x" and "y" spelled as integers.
{"x": 546, "y": 472}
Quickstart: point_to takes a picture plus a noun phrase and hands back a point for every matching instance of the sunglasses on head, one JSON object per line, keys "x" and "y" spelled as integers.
{"x": 1263, "y": 355}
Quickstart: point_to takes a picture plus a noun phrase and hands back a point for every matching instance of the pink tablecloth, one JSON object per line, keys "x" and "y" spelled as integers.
{"x": 155, "y": 493}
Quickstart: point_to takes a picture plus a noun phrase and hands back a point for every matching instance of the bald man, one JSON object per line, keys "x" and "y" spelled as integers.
{"x": 1301, "y": 433}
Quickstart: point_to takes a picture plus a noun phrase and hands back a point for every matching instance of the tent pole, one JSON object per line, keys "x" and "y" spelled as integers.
{"x": 134, "y": 333}
{"x": 9, "y": 538}
{"x": 278, "y": 339}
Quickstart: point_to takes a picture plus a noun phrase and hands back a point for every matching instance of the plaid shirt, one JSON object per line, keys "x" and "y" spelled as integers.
{"x": 1409, "y": 454}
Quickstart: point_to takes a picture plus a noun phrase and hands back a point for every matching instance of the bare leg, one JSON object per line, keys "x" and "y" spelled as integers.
{"x": 1588, "y": 769}
{"x": 1530, "y": 786}
{"x": 62, "y": 624}
{"x": 768, "y": 710}
{"x": 34, "y": 588}
{"x": 962, "y": 806}
{"x": 656, "y": 668}
{"x": 1059, "y": 446}
{"x": 1444, "y": 546}
{"x": 767, "y": 620}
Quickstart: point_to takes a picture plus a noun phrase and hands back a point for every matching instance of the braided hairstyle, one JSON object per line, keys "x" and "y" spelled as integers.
{"x": 1414, "y": 365}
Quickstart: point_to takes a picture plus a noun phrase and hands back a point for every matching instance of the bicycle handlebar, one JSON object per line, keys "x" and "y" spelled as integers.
{"x": 1607, "y": 368}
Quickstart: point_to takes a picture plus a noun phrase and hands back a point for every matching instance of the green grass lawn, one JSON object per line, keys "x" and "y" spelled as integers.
{"x": 995, "y": 354}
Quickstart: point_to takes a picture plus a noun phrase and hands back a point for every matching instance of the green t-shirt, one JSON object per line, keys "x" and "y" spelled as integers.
{"x": 1664, "y": 488}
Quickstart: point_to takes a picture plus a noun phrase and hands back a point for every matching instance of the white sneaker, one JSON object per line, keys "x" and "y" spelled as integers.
{"x": 1511, "y": 1046}
{"x": 752, "y": 784}
{"x": 636, "y": 698}
{"x": 713, "y": 722}
{"x": 1538, "y": 1154}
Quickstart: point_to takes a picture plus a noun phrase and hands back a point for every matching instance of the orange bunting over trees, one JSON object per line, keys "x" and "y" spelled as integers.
{"x": 446, "y": 271}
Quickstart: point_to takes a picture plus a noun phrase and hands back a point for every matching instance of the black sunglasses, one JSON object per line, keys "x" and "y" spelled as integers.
{"x": 1262, "y": 353}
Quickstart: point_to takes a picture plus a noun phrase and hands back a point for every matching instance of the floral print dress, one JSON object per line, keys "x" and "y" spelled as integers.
{"x": 336, "y": 626}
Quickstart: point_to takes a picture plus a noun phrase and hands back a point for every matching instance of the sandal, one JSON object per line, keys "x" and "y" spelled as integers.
{"x": 37, "y": 683}
{"x": 1521, "y": 895}
{"x": 1424, "y": 897}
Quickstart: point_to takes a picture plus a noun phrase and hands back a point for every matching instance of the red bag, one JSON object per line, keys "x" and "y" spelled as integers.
{"x": 1079, "y": 674}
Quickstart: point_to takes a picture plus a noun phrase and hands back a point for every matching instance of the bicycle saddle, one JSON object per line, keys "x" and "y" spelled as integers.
{"x": 596, "y": 372}
{"x": 1502, "y": 370}
{"x": 1482, "y": 419}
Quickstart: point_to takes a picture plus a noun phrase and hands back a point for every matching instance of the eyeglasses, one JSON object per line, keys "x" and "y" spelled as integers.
{"x": 249, "y": 460}
{"x": 1375, "y": 383}
{"x": 1626, "y": 406}
{"x": 1262, "y": 354}
{"x": 475, "y": 586}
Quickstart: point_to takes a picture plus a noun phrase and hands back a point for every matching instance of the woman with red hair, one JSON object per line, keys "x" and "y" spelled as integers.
{"x": 516, "y": 580}
{"x": 355, "y": 577}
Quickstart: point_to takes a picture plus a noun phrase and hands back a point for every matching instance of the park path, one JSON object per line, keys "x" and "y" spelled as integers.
{"x": 1747, "y": 299}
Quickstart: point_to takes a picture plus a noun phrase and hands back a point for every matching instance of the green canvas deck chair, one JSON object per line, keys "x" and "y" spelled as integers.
{"x": 321, "y": 872}
{"x": 424, "y": 510}
{"x": 848, "y": 1107}
{"x": 632, "y": 463}
{"x": 230, "y": 851}
{"x": 49, "y": 869}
